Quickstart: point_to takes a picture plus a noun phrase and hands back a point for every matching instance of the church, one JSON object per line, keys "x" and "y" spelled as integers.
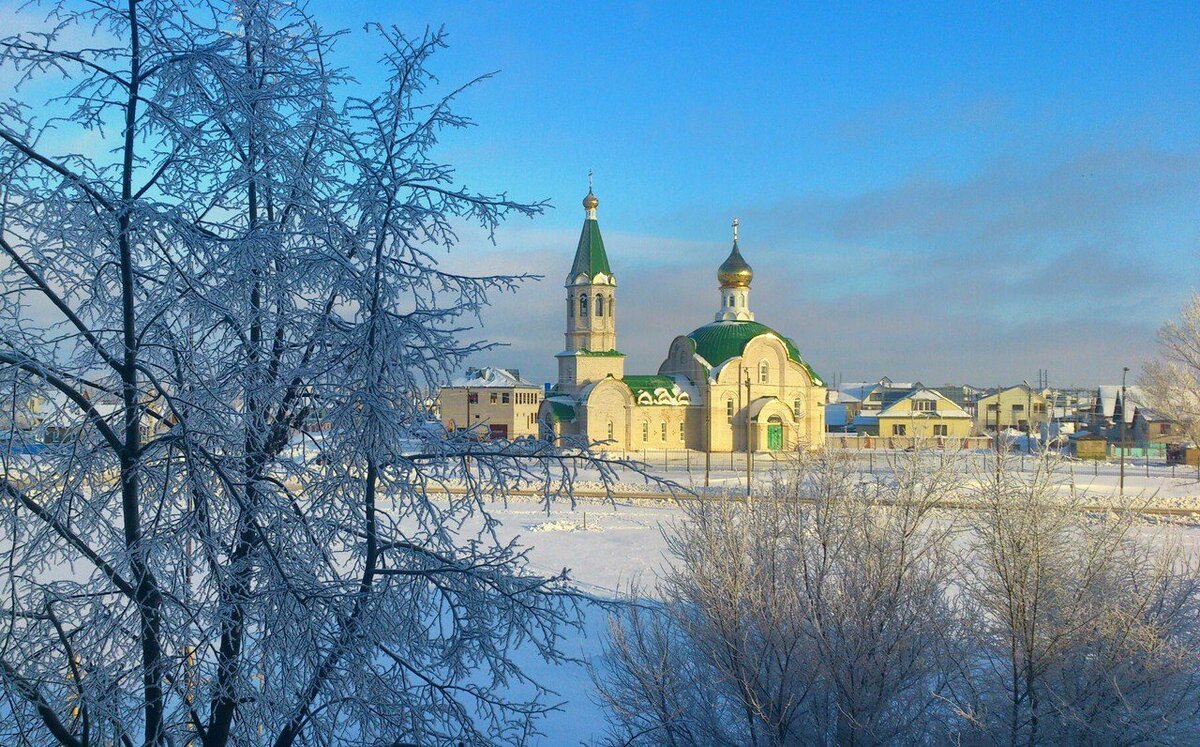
{"x": 729, "y": 385}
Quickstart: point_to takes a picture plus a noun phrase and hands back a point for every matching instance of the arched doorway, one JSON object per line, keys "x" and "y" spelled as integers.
{"x": 774, "y": 433}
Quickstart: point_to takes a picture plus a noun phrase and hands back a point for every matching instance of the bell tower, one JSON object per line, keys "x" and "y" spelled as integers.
{"x": 591, "y": 350}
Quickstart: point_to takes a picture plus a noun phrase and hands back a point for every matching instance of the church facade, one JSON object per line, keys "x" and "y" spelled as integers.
{"x": 729, "y": 385}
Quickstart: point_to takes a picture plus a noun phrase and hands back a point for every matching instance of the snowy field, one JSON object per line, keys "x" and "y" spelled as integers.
{"x": 608, "y": 544}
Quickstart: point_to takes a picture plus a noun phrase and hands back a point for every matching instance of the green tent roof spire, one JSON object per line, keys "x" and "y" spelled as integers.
{"x": 590, "y": 257}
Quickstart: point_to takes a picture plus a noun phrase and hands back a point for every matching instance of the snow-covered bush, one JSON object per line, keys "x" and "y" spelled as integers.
{"x": 1076, "y": 629}
{"x": 814, "y": 614}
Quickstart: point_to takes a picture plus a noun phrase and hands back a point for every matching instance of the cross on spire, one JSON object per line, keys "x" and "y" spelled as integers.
{"x": 589, "y": 180}
{"x": 735, "y": 229}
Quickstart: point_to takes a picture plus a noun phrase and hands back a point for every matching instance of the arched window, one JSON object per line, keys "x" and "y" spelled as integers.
{"x": 583, "y": 304}
{"x": 729, "y": 410}
{"x": 764, "y": 372}
{"x": 664, "y": 431}
{"x": 610, "y": 430}
{"x": 612, "y": 309}
{"x": 798, "y": 408}
{"x": 599, "y": 305}
{"x": 570, "y": 309}
{"x": 645, "y": 430}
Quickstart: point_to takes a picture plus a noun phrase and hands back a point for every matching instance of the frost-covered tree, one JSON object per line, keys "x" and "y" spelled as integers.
{"x": 1172, "y": 382}
{"x": 219, "y": 271}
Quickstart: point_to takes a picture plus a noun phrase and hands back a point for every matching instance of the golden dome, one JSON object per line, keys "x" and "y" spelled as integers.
{"x": 590, "y": 202}
{"x": 734, "y": 272}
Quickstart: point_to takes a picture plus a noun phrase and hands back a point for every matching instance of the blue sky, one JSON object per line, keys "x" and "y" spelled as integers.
{"x": 953, "y": 193}
{"x": 949, "y": 194}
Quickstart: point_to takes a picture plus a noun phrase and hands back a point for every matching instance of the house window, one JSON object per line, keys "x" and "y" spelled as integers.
{"x": 505, "y": 398}
{"x": 583, "y": 304}
{"x": 1164, "y": 428}
{"x": 645, "y": 430}
{"x": 473, "y": 397}
{"x": 599, "y": 305}
{"x": 763, "y": 372}
{"x": 899, "y": 429}
{"x": 941, "y": 430}
{"x": 493, "y": 398}
{"x": 664, "y": 431}
{"x": 729, "y": 410}
{"x": 610, "y": 430}
{"x": 1018, "y": 408}
{"x": 993, "y": 407}
{"x": 1039, "y": 408}
{"x": 923, "y": 405}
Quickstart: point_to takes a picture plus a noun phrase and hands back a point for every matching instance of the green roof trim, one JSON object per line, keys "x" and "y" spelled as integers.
{"x": 601, "y": 353}
{"x": 718, "y": 342}
{"x": 590, "y": 257}
{"x": 639, "y": 384}
{"x": 650, "y": 385}
{"x": 561, "y": 410}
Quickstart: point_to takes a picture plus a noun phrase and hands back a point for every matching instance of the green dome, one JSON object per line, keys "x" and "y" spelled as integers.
{"x": 716, "y": 343}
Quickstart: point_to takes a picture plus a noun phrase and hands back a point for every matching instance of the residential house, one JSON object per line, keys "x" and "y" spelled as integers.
{"x": 1015, "y": 408}
{"x": 918, "y": 413}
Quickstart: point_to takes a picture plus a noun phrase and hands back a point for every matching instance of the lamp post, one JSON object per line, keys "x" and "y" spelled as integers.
{"x": 1121, "y": 445}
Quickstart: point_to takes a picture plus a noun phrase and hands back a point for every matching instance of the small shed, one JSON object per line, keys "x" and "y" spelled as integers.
{"x": 1183, "y": 454}
{"x": 1089, "y": 446}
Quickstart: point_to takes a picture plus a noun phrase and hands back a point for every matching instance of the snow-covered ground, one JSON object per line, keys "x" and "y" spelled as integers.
{"x": 609, "y": 544}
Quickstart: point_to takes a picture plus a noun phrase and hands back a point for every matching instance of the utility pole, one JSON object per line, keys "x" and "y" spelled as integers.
{"x": 1121, "y": 446}
{"x": 749, "y": 456}
{"x": 708, "y": 435}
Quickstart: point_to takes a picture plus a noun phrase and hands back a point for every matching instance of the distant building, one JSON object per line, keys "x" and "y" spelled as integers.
{"x": 918, "y": 413}
{"x": 1150, "y": 428}
{"x": 965, "y": 396}
{"x": 862, "y": 398}
{"x": 497, "y": 399}
{"x": 1015, "y": 408}
{"x": 732, "y": 384}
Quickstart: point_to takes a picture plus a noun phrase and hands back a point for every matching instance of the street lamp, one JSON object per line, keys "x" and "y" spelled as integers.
{"x": 1121, "y": 446}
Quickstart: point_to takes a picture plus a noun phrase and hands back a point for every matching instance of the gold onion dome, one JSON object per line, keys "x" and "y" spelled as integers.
{"x": 734, "y": 272}
{"x": 590, "y": 202}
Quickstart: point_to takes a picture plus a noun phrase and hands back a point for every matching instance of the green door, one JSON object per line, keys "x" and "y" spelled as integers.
{"x": 774, "y": 437}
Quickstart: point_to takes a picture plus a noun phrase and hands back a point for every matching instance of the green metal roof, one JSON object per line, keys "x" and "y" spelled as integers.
{"x": 590, "y": 258}
{"x": 720, "y": 341}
